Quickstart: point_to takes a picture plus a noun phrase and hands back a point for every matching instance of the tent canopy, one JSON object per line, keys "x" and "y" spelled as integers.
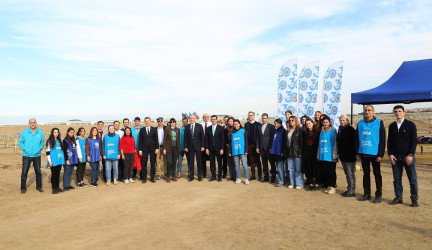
{"x": 412, "y": 82}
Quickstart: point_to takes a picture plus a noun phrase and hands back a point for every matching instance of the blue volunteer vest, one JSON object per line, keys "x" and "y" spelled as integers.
{"x": 237, "y": 142}
{"x": 135, "y": 135}
{"x": 326, "y": 145}
{"x": 57, "y": 155}
{"x": 368, "y": 133}
{"x": 72, "y": 152}
{"x": 82, "y": 147}
{"x": 94, "y": 149}
{"x": 111, "y": 146}
{"x": 276, "y": 148}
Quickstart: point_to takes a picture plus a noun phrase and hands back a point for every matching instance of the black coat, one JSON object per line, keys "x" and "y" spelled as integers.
{"x": 148, "y": 142}
{"x": 295, "y": 148}
{"x": 196, "y": 141}
{"x": 402, "y": 142}
{"x": 264, "y": 142}
{"x": 216, "y": 141}
{"x": 346, "y": 144}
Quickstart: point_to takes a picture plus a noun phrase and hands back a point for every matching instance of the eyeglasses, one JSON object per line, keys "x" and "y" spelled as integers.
{"x": 159, "y": 120}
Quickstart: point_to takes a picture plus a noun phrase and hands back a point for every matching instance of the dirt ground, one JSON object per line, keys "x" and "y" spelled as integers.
{"x": 206, "y": 214}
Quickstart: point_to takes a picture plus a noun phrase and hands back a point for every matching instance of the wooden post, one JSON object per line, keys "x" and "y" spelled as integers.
{"x": 15, "y": 147}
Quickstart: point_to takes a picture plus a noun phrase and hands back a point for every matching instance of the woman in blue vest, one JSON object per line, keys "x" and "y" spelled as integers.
{"x": 111, "y": 154}
{"x": 93, "y": 152}
{"x": 277, "y": 150}
{"x": 81, "y": 141}
{"x": 71, "y": 157}
{"x": 55, "y": 159}
{"x": 294, "y": 152}
{"x": 239, "y": 149}
{"x": 327, "y": 154}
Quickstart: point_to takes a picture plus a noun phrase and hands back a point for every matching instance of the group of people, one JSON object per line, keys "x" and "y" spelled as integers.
{"x": 282, "y": 153}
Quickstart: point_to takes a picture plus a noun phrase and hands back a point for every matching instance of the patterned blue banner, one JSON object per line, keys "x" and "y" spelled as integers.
{"x": 287, "y": 89}
{"x": 308, "y": 89}
{"x": 332, "y": 92}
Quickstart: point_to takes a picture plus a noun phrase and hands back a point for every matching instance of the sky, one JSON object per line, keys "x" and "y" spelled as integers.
{"x": 95, "y": 60}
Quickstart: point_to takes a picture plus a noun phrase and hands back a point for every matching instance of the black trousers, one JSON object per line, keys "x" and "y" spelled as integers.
{"x": 215, "y": 156}
{"x": 120, "y": 169}
{"x": 103, "y": 170}
{"x": 309, "y": 161}
{"x": 192, "y": 155}
{"x": 225, "y": 162}
{"x": 55, "y": 176}
{"x": 171, "y": 158}
{"x": 328, "y": 169}
{"x": 127, "y": 166}
{"x": 267, "y": 157}
{"x": 376, "y": 166}
{"x": 204, "y": 159}
{"x": 80, "y": 171}
{"x": 144, "y": 160}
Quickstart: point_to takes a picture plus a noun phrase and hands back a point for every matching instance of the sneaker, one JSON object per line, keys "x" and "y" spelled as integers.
{"x": 174, "y": 178}
{"x": 126, "y": 181}
{"x": 115, "y": 182}
{"x": 80, "y": 185}
{"x": 131, "y": 180}
{"x": 327, "y": 190}
{"x": 108, "y": 183}
{"x": 299, "y": 188}
{"x": 157, "y": 177}
{"x": 290, "y": 186}
{"x": 179, "y": 175}
{"x": 93, "y": 184}
{"x": 84, "y": 185}
{"x": 247, "y": 182}
{"x": 332, "y": 190}
{"x": 414, "y": 203}
{"x": 55, "y": 191}
{"x": 279, "y": 184}
{"x": 237, "y": 181}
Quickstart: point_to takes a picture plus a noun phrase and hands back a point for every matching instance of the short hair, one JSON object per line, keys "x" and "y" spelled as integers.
{"x": 344, "y": 116}
{"x": 115, "y": 122}
{"x": 125, "y": 119}
{"x": 214, "y": 116}
{"x": 32, "y": 119}
{"x": 147, "y": 118}
{"x": 373, "y": 108}
{"x": 288, "y": 111}
{"x": 227, "y": 116}
{"x": 251, "y": 112}
{"x": 100, "y": 122}
{"x": 399, "y": 107}
{"x": 326, "y": 118}
{"x": 192, "y": 115}
{"x": 184, "y": 118}
{"x": 264, "y": 114}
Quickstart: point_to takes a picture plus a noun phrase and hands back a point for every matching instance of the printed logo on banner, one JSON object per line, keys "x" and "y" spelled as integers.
{"x": 308, "y": 73}
{"x": 282, "y": 85}
{"x": 332, "y": 92}
{"x": 303, "y": 85}
{"x": 300, "y": 98}
{"x": 280, "y": 98}
{"x": 286, "y": 71}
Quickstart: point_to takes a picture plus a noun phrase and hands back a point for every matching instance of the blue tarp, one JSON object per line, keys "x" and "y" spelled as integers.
{"x": 412, "y": 82}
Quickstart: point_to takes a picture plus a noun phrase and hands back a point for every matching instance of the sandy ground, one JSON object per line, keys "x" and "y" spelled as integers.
{"x": 208, "y": 215}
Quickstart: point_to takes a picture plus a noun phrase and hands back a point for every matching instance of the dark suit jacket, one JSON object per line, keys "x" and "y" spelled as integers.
{"x": 264, "y": 142}
{"x": 404, "y": 141}
{"x": 197, "y": 140}
{"x": 216, "y": 141}
{"x": 148, "y": 142}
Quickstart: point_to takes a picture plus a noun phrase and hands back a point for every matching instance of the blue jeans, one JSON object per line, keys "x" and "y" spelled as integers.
{"x": 295, "y": 174}
{"x": 243, "y": 159}
{"x": 412, "y": 177}
{"x": 181, "y": 155}
{"x": 281, "y": 174}
{"x": 111, "y": 164}
{"x": 94, "y": 171}
{"x": 26, "y": 167}
{"x": 349, "y": 169}
{"x": 67, "y": 175}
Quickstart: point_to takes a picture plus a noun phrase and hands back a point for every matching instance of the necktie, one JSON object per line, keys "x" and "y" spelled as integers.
{"x": 192, "y": 127}
{"x": 214, "y": 128}
{"x": 148, "y": 131}
{"x": 205, "y": 128}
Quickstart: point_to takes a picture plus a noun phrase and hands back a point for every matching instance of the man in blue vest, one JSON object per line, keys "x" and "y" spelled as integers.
{"x": 401, "y": 147}
{"x": 31, "y": 142}
{"x": 370, "y": 146}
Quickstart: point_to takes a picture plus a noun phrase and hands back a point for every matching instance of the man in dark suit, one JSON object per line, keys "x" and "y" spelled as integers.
{"x": 265, "y": 135}
{"x": 401, "y": 147}
{"x": 253, "y": 157}
{"x": 148, "y": 145}
{"x": 214, "y": 144}
{"x": 194, "y": 145}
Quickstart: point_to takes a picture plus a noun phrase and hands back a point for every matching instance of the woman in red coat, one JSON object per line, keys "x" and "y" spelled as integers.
{"x": 128, "y": 150}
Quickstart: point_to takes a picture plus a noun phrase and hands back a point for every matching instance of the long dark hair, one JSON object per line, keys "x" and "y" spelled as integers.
{"x": 130, "y": 131}
{"x": 51, "y": 140}
{"x": 237, "y": 120}
{"x": 70, "y": 139}
{"x": 278, "y": 120}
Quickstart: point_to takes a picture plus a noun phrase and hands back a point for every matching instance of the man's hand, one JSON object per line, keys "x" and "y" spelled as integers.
{"x": 221, "y": 152}
{"x": 50, "y": 163}
{"x": 257, "y": 150}
{"x": 207, "y": 152}
{"x": 140, "y": 153}
{"x": 104, "y": 157}
{"x": 378, "y": 159}
{"x": 392, "y": 159}
{"x": 68, "y": 162}
{"x": 358, "y": 157}
{"x": 409, "y": 160}
{"x": 186, "y": 150}
{"x": 202, "y": 149}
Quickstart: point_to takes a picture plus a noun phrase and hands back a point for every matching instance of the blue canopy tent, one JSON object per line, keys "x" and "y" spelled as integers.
{"x": 412, "y": 82}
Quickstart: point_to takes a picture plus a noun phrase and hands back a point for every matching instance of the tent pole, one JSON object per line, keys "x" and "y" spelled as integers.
{"x": 352, "y": 122}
